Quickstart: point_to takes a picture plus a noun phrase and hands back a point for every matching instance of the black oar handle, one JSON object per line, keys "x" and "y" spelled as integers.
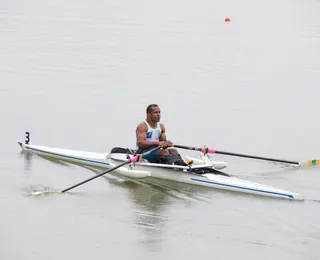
{"x": 235, "y": 154}
{"x": 187, "y": 147}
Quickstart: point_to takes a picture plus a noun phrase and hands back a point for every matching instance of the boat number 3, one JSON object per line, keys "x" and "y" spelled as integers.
{"x": 27, "y": 137}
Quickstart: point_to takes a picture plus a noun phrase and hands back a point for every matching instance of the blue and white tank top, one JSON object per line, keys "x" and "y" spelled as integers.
{"x": 153, "y": 134}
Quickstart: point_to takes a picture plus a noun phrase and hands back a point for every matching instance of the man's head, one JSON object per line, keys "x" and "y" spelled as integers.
{"x": 153, "y": 113}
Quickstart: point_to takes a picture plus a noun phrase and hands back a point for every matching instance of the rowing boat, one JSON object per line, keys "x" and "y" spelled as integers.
{"x": 202, "y": 172}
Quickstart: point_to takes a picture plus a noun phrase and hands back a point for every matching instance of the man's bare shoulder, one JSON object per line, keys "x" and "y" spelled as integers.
{"x": 142, "y": 127}
{"x": 162, "y": 127}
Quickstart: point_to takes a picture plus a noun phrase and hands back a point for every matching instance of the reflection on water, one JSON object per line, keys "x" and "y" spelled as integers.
{"x": 27, "y": 159}
{"x": 150, "y": 203}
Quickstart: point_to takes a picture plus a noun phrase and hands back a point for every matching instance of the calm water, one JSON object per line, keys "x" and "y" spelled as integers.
{"x": 79, "y": 75}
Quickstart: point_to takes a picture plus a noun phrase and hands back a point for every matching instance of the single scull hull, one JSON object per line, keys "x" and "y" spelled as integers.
{"x": 145, "y": 170}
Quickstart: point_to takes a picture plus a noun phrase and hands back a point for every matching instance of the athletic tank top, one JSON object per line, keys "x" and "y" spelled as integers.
{"x": 153, "y": 134}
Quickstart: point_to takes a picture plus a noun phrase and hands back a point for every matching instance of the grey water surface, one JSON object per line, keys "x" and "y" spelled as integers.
{"x": 79, "y": 75}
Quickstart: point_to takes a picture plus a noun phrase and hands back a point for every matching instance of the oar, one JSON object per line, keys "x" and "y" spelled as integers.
{"x": 209, "y": 150}
{"x": 131, "y": 160}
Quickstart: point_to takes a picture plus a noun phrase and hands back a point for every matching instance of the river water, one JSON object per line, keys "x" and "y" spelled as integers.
{"x": 79, "y": 75}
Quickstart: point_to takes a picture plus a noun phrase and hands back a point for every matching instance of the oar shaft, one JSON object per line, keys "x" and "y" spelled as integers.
{"x": 255, "y": 157}
{"x": 96, "y": 176}
{"x": 208, "y": 150}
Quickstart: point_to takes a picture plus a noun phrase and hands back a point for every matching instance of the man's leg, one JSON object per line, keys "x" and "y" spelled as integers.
{"x": 173, "y": 157}
{"x": 172, "y": 151}
{"x": 155, "y": 156}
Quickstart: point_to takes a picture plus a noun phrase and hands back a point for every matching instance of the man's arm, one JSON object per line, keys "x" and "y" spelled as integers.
{"x": 163, "y": 137}
{"x": 141, "y": 133}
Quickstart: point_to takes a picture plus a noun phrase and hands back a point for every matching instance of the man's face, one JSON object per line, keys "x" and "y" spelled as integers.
{"x": 155, "y": 114}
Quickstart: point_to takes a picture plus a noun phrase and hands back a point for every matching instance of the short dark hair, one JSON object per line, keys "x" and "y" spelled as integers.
{"x": 150, "y": 107}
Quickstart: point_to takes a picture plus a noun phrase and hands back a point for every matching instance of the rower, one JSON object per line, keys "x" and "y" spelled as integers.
{"x": 150, "y": 133}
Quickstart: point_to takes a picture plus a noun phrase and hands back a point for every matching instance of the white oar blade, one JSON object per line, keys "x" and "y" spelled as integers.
{"x": 309, "y": 163}
{"x": 44, "y": 193}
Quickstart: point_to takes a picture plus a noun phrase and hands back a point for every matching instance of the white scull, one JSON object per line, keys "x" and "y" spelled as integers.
{"x": 202, "y": 172}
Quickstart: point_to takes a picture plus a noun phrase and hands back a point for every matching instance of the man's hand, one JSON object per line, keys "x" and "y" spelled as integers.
{"x": 169, "y": 144}
{"x": 165, "y": 144}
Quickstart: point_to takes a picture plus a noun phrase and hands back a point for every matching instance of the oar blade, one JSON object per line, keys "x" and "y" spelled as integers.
{"x": 309, "y": 163}
{"x": 44, "y": 193}
{"x": 40, "y": 190}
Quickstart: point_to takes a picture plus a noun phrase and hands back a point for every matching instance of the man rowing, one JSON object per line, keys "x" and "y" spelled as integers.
{"x": 150, "y": 133}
